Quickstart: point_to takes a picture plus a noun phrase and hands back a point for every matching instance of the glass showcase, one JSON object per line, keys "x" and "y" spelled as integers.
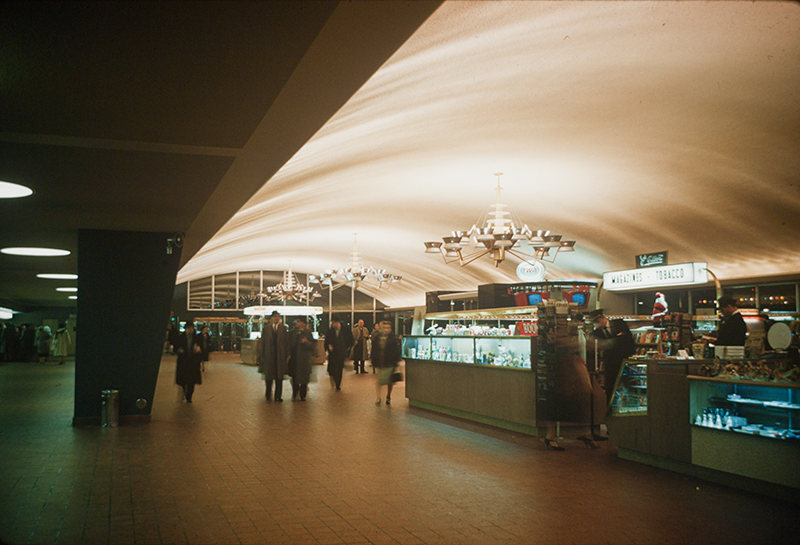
{"x": 630, "y": 397}
{"x": 767, "y": 409}
{"x": 514, "y": 352}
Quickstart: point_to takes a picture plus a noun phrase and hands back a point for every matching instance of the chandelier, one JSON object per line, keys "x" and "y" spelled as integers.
{"x": 354, "y": 273}
{"x": 290, "y": 288}
{"x": 499, "y": 235}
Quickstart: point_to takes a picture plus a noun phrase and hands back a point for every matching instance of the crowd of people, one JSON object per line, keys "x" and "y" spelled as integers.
{"x": 28, "y": 343}
{"x": 288, "y": 352}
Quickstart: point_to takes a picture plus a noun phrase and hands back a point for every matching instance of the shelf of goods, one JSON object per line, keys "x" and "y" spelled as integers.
{"x": 630, "y": 394}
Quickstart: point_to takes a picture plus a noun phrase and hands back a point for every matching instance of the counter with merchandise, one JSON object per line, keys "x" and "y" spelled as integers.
{"x": 736, "y": 422}
{"x": 475, "y": 368}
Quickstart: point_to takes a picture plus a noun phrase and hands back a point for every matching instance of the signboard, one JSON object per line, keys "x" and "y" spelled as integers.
{"x": 530, "y": 329}
{"x": 283, "y": 311}
{"x": 531, "y": 272}
{"x": 682, "y": 274}
{"x": 656, "y": 259}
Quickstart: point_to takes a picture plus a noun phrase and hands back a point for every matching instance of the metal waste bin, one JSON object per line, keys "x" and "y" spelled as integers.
{"x": 110, "y": 412}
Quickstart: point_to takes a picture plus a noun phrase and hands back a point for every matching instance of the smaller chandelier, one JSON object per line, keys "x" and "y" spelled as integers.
{"x": 500, "y": 235}
{"x": 354, "y": 273}
{"x": 290, "y": 288}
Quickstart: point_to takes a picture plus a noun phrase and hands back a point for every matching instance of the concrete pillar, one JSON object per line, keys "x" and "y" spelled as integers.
{"x": 126, "y": 281}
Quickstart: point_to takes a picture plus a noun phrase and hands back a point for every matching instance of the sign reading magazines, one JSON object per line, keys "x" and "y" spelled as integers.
{"x": 682, "y": 274}
{"x": 656, "y": 259}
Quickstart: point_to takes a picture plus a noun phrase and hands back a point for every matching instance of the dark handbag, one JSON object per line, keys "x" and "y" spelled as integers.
{"x": 395, "y": 377}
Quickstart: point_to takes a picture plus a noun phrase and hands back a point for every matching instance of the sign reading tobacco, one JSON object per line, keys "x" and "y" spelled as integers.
{"x": 682, "y": 274}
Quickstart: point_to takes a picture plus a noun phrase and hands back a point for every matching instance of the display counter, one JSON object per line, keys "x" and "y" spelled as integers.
{"x": 734, "y": 431}
{"x": 475, "y": 367}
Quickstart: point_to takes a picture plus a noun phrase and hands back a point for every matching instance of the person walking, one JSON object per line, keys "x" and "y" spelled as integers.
{"x": 302, "y": 357}
{"x": 204, "y": 340}
{"x": 61, "y": 343}
{"x": 337, "y": 343}
{"x": 42, "y": 342}
{"x": 385, "y": 357}
{"x": 361, "y": 336}
{"x": 274, "y": 351}
{"x": 187, "y": 368}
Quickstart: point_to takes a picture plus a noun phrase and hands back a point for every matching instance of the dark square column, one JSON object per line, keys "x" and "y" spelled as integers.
{"x": 126, "y": 281}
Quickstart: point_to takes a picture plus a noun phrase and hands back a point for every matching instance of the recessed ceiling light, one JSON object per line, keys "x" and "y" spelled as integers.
{"x": 42, "y": 252}
{"x": 72, "y": 297}
{"x": 58, "y": 276}
{"x": 14, "y": 191}
{"x": 66, "y": 289}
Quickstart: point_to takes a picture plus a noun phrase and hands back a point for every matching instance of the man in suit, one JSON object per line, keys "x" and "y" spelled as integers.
{"x": 337, "y": 343}
{"x": 615, "y": 342}
{"x": 273, "y": 357}
{"x": 733, "y": 330}
{"x": 360, "y": 338}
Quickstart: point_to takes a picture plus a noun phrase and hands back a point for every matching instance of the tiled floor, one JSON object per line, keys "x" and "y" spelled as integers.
{"x": 232, "y": 468}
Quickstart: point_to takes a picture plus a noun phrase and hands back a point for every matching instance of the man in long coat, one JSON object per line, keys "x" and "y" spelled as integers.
{"x": 273, "y": 355}
{"x": 337, "y": 342}
{"x": 187, "y": 368}
{"x": 615, "y": 342}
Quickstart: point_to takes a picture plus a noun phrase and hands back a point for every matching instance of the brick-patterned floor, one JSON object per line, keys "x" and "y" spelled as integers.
{"x": 232, "y": 468}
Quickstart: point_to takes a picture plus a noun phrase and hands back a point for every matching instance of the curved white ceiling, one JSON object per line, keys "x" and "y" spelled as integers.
{"x": 631, "y": 127}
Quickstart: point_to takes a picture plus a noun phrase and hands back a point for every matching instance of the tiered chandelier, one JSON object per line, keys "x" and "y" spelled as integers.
{"x": 500, "y": 235}
{"x": 290, "y": 288}
{"x": 354, "y": 273}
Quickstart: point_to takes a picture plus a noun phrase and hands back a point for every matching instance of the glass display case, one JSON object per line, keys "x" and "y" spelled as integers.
{"x": 766, "y": 409}
{"x": 513, "y": 352}
{"x": 630, "y": 395}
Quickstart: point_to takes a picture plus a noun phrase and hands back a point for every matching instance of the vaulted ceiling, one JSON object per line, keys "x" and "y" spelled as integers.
{"x": 272, "y": 132}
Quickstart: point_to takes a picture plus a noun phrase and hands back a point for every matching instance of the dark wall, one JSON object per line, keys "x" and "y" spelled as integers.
{"x": 125, "y": 285}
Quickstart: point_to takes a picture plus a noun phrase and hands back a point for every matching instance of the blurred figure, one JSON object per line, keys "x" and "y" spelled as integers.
{"x": 385, "y": 357}
{"x": 337, "y": 343}
{"x": 27, "y": 342}
{"x": 372, "y": 337}
{"x": 187, "y": 368}
{"x": 61, "y": 343}
{"x": 302, "y": 358}
{"x": 274, "y": 355}
{"x": 42, "y": 342}
{"x": 615, "y": 342}
{"x": 204, "y": 340}
{"x": 361, "y": 340}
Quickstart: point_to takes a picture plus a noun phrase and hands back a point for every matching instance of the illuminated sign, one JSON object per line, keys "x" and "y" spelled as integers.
{"x": 283, "y": 311}
{"x": 651, "y": 260}
{"x": 531, "y": 272}
{"x": 682, "y": 274}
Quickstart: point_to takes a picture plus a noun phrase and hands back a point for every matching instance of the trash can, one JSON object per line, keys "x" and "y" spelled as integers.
{"x": 110, "y": 410}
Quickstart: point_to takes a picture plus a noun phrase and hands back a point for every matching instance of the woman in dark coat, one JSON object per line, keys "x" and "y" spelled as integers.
{"x": 187, "y": 369}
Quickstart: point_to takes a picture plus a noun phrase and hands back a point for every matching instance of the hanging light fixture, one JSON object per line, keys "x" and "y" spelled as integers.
{"x": 355, "y": 273}
{"x": 499, "y": 236}
{"x": 290, "y": 288}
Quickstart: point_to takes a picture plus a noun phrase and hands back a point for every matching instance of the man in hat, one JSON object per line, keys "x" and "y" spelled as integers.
{"x": 187, "y": 367}
{"x": 615, "y": 343}
{"x": 274, "y": 352}
{"x": 337, "y": 342}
